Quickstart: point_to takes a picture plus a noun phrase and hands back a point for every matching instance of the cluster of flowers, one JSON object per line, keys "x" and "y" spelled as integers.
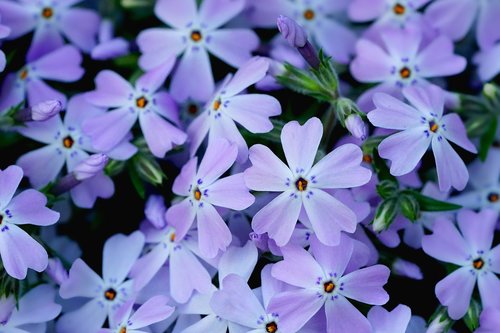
{"x": 299, "y": 232}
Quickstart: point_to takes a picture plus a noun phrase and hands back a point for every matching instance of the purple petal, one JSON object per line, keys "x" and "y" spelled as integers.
{"x": 233, "y": 46}
{"x": 213, "y": 233}
{"x": 395, "y": 321}
{"x": 490, "y": 321}
{"x": 28, "y": 207}
{"x": 167, "y": 107}
{"x": 456, "y": 132}
{"x": 42, "y": 165}
{"x": 88, "y": 318}
{"x": 197, "y": 131}
{"x": 181, "y": 217}
{"x": 230, "y": 192}
{"x": 85, "y": 194}
{"x": 446, "y": 243}
{"x": 428, "y": 100}
{"x": 333, "y": 259}
{"x": 343, "y": 317}
{"x": 366, "y": 285}
{"x": 278, "y": 218}
{"x": 61, "y": 65}
{"x": 478, "y": 229}
{"x": 82, "y": 281}
{"x": 238, "y": 260}
{"x": 10, "y": 178}
{"x": 300, "y": 143}
{"x": 119, "y": 255}
{"x": 19, "y": 252}
{"x": 486, "y": 31}
{"x": 342, "y": 46}
{"x": 298, "y": 268}
{"x": 489, "y": 289}
{"x": 152, "y": 80}
{"x": 219, "y": 157}
{"x": 212, "y": 16}
{"x": 39, "y": 91}
{"x": 146, "y": 267}
{"x": 153, "y": 311}
{"x": 452, "y": 17}
{"x": 366, "y": 10}
{"x": 224, "y": 127}
{"x": 446, "y": 291}
{"x": 372, "y": 63}
{"x": 249, "y": 73}
{"x": 114, "y": 48}
{"x": 392, "y": 113}
{"x": 186, "y": 178}
{"x": 175, "y": 13}
{"x": 160, "y": 135}
{"x": 36, "y": 306}
{"x": 111, "y": 90}
{"x": 17, "y": 17}
{"x": 437, "y": 59}
{"x": 46, "y": 39}
{"x": 253, "y": 111}
{"x": 268, "y": 172}
{"x": 401, "y": 43}
{"x": 451, "y": 169}
{"x": 159, "y": 45}
{"x": 82, "y": 36}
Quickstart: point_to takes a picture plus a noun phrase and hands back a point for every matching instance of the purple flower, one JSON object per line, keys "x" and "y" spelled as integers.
{"x": 203, "y": 190}
{"x": 422, "y": 125}
{"x": 403, "y": 60}
{"x": 4, "y": 32}
{"x": 317, "y": 18}
{"x": 144, "y": 102}
{"x": 18, "y": 250}
{"x": 407, "y": 269}
{"x": 323, "y": 281}
{"x": 106, "y": 294}
{"x": 34, "y": 310}
{"x": 471, "y": 249}
{"x": 109, "y": 47}
{"x": 61, "y": 65}
{"x": 489, "y": 321}
{"x": 194, "y": 32}
{"x": 50, "y": 20}
{"x": 487, "y": 62}
{"x": 455, "y": 18}
{"x": 302, "y": 184}
{"x": 292, "y": 32}
{"x": 152, "y": 311}
{"x": 227, "y": 108}
{"x": 395, "y": 321}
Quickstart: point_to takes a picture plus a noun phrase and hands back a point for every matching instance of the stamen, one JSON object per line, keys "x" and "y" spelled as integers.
{"x": 301, "y": 184}
{"x": 405, "y": 72}
{"x": 309, "y": 14}
{"x": 47, "y": 12}
{"x": 367, "y": 159}
{"x": 271, "y": 327}
{"x": 399, "y": 9}
{"x": 197, "y": 194}
{"x": 68, "y": 142}
{"x": 433, "y": 127}
{"x": 24, "y": 74}
{"x": 196, "y": 35}
{"x": 328, "y": 287}
{"x": 172, "y": 237}
{"x": 493, "y": 197}
{"x": 110, "y": 294}
{"x": 123, "y": 330}
{"x": 1, "y": 218}
{"x": 141, "y": 102}
{"x": 478, "y": 263}
{"x": 217, "y": 104}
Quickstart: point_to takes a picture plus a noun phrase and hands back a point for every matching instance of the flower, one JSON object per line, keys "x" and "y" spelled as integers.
{"x": 323, "y": 282}
{"x": 109, "y": 47}
{"x": 226, "y": 108}
{"x": 470, "y": 248}
{"x": 489, "y": 321}
{"x": 302, "y": 184}
{"x": 50, "y": 20}
{"x": 422, "y": 125}
{"x": 402, "y": 59}
{"x": 106, "y": 294}
{"x": 18, "y": 250}
{"x": 196, "y": 31}
{"x": 144, "y": 102}
{"x": 395, "y": 321}
{"x": 4, "y": 32}
{"x": 203, "y": 190}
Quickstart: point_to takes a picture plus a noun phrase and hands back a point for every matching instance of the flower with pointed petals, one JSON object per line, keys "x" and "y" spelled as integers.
{"x": 422, "y": 124}
{"x": 61, "y": 65}
{"x": 302, "y": 184}
{"x": 145, "y": 102}
{"x": 50, "y": 20}
{"x": 228, "y": 107}
{"x": 203, "y": 191}
{"x": 469, "y": 246}
{"x": 18, "y": 250}
{"x": 4, "y": 32}
{"x": 106, "y": 294}
{"x": 194, "y": 32}
{"x": 395, "y": 321}
{"x": 33, "y": 311}
{"x": 324, "y": 282}
{"x": 403, "y": 60}
{"x": 152, "y": 311}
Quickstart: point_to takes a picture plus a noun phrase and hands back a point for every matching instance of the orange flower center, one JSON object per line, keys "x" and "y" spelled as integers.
{"x": 68, "y": 142}
{"x": 196, "y": 35}
{"x": 47, "y": 12}
{"x": 217, "y": 104}
{"x": 309, "y": 14}
{"x": 141, "y": 102}
{"x": 405, "y": 72}
{"x": 301, "y": 184}
{"x": 493, "y": 197}
{"x": 110, "y": 294}
{"x": 478, "y": 263}
{"x": 197, "y": 194}
{"x": 24, "y": 74}
{"x": 271, "y": 327}
{"x": 328, "y": 287}
{"x": 433, "y": 127}
{"x": 399, "y": 9}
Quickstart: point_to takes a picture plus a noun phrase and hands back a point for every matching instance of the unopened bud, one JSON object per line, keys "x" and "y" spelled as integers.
{"x": 148, "y": 169}
{"x": 356, "y": 126}
{"x": 45, "y": 110}
{"x": 385, "y": 214}
{"x": 90, "y": 167}
{"x": 409, "y": 207}
{"x": 7, "y": 305}
{"x": 441, "y": 322}
{"x": 56, "y": 271}
{"x": 155, "y": 211}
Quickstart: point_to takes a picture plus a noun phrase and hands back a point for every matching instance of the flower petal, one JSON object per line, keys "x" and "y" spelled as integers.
{"x": 446, "y": 243}
{"x": 233, "y": 46}
{"x": 372, "y": 63}
{"x": 252, "y": 111}
{"x": 230, "y": 192}
{"x": 333, "y": 259}
{"x": 161, "y": 136}
{"x": 451, "y": 169}
{"x": 88, "y": 318}
{"x": 112, "y": 90}
{"x": 159, "y": 45}
{"x": 478, "y": 229}
{"x": 437, "y": 59}
{"x": 298, "y": 268}
{"x": 213, "y": 233}
{"x": 249, "y": 73}
{"x": 456, "y": 132}
{"x": 119, "y": 255}
{"x": 82, "y": 36}
{"x": 175, "y": 13}
{"x": 446, "y": 291}
{"x": 342, "y": 316}
{"x": 342, "y": 46}
{"x": 153, "y": 311}
{"x": 428, "y": 100}
{"x": 212, "y": 16}
{"x": 28, "y": 207}
{"x": 218, "y": 158}
{"x": 391, "y": 113}
{"x": 42, "y": 165}
{"x": 181, "y": 217}
{"x": 61, "y": 65}
{"x": 82, "y": 281}
{"x": 366, "y": 285}
{"x": 10, "y": 178}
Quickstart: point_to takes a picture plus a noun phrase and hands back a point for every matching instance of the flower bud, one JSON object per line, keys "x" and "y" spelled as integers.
{"x": 409, "y": 207}
{"x": 90, "y": 167}
{"x": 56, "y": 271}
{"x": 292, "y": 31}
{"x": 7, "y": 305}
{"x": 387, "y": 189}
{"x": 385, "y": 214}
{"x": 441, "y": 322}
{"x": 45, "y": 110}
{"x": 356, "y": 126}
{"x": 407, "y": 269}
{"x": 148, "y": 169}
{"x": 155, "y": 211}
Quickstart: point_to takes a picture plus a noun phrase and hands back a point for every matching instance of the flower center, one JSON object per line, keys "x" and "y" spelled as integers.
{"x": 192, "y": 109}
{"x": 398, "y": 9}
{"x": 196, "y": 36}
{"x": 433, "y": 126}
{"x": 172, "y": 237}
{"x": 271, "y": 327}
{"x": 493, "y": 197}
{"x": 405, "y": 72}
{"x": 217, "y": 104}
{"x": 478, "y": 263}
{"x": 309, "y": 14}
{"x": 197, "y": 194}
{"x": 1, "y": 219}
{"x": 110, "y": 294}
{"x": 367, "y": 158}
{"x": 123, "y": 330}
{"x": 141, "y": 102}
{"x": 68, "y": 142}
{"x": 329, "y": 287}
{"x": 47, "y": 13}
{"x": 301, "y": 184}
{"x": 24, "y": 74}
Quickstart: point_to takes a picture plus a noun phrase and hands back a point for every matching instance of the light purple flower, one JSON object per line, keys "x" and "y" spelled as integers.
{"x": 203, "y": 190}
{"x": 152, "y": 311}
{"x": 302, "y": 184}
{"x": 34, "y": 310}
{"x": 422, "y": 124}
{"x": 317, "y": 18}
{"x": 228, "y": 107}
{"x": 487, "y": 62}
{"x": 18, "y": 250}
{"x": 455, "y": 18}
{"x": 50, "y": 20}
{"x": 407, "y": 269}
{"x": 323, "y": 282}
{"x": 469, "y": 247}
{"x": 109, "y": 47}
{"x": 4, "y": 32}
{"x": 106, "y": 295}
{"x": 61, "y": 65}
{"x": 403, "y": 60}
{"x": 194, "y": 32}
{"x": 395, "y": 321}
{"x": 489, "y": 321}
{"x": 145, "y": 102}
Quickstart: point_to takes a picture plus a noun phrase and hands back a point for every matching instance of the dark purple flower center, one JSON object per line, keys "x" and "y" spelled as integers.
{"x": 478, "y": 263}
{"x": 405, "y": 72}
{"x": 309, "y": 14}
{"x": 433, "y": 126}
{"x": 197, "y": 194}
{"x": 68, "y": 142}
{"x": 141, "y": 102}
{"x": 493, "y": 197}
{"x": 271, "y": 327}
{"x": 329, "y": 287}
{"x": 399, "y": 9}
{"x": 110, "y": 294}
{"x": 301, "y": 184}
{"x": 196, "y": 35}
{"x": 47, "y": 12}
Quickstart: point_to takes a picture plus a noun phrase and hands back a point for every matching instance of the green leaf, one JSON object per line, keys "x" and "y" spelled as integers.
{"x": 137, "y": 182}
{"x": 471, "y": 318}
{"x": 428, "y": 204}
{"x": 488, "y": 138}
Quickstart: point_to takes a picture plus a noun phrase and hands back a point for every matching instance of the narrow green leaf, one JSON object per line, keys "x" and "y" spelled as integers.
{"x": 488, "y": 138}
{"x": 428, "y": 204}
